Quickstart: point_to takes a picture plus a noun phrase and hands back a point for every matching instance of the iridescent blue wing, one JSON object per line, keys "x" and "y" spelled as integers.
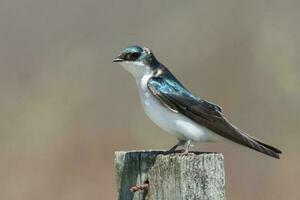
{"x": 178, "y": 99}
{"x": 172, "y": 94}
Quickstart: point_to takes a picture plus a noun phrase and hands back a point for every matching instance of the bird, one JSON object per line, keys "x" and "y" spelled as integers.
{"x": 179, "y": 112}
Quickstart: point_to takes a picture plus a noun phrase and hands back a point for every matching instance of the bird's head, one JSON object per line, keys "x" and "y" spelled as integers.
{"x": 137, "y": 60}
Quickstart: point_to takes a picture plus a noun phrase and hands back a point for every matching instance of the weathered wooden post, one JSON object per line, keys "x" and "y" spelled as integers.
{"x": 163, "y": 176}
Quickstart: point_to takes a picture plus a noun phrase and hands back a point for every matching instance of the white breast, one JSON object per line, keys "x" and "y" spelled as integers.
{"x": 175, "y": 123}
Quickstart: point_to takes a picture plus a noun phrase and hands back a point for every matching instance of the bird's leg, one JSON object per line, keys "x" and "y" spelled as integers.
{"x": 187, "y": 146}
{"x": 179, "y": 143}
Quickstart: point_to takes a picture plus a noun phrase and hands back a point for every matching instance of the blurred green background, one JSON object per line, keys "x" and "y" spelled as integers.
{"x": 65, "y": 107}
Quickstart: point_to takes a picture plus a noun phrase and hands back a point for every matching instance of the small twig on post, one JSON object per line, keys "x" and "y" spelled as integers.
{"x": 136, "y": 188}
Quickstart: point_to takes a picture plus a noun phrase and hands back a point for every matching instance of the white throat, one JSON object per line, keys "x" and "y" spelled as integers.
{"x": 137, "y": 68}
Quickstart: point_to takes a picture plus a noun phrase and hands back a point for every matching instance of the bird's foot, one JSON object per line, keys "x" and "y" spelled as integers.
{"x": 186, "y": 151}
{"x": 173, "y": 149}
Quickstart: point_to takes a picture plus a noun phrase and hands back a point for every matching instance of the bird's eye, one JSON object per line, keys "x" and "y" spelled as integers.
{"x": 128, "y": 56}
{"x": 132, "y": 56}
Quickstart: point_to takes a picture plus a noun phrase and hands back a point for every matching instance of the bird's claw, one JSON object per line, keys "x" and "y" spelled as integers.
{"x": 186, "y": 152}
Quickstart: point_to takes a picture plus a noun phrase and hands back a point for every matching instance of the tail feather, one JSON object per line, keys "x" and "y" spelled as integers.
{"x": 269, "y": 151}
{"x": 262, "y": 147}
{"x": 268, "y": 146}
{"x": 255, "y": 144}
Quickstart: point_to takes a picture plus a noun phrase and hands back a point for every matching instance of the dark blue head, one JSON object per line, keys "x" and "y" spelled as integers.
{"x": 137, "y": 54}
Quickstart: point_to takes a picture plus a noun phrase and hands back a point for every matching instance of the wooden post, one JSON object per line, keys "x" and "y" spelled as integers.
{"x": 165, "y": 176}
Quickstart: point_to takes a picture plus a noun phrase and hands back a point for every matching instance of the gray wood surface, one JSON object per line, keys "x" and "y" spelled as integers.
{"x": 170, "y": 176}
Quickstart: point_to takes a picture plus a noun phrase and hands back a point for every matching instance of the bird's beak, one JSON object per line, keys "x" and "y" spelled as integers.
{"x": 118, "y": 59}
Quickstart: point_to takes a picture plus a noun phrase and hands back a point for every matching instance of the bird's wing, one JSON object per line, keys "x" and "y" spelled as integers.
{"x": 178, "y": 99}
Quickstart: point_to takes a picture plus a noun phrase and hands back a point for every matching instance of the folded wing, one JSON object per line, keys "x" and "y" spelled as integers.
{"x": 178, "y": 99}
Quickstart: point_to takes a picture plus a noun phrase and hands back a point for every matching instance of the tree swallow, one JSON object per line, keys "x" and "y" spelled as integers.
{"x": 176, "y": 110}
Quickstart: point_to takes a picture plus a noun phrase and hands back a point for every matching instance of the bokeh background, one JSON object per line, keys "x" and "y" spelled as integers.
{"x": 65, "y": 107}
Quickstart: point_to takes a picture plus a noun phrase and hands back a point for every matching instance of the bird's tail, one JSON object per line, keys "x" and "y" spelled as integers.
{"x": 266, "y": 148}
{"x": 269, "y": 146}
{"x": 275, "y": 150}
